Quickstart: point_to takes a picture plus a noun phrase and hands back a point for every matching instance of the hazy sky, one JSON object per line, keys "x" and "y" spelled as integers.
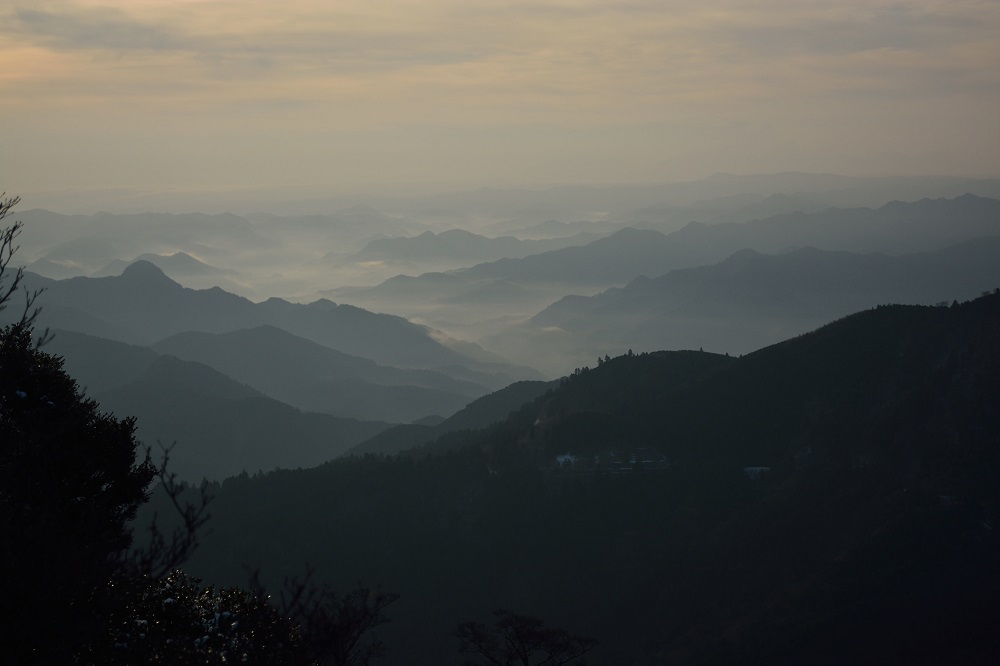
{"x": 300, "y": 93}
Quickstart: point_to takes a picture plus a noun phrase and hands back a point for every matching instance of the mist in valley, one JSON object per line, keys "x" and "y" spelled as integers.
{"x": 614, "y": 333}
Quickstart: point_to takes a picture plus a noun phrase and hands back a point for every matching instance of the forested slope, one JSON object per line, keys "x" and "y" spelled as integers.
{"x": 828, "y": 499}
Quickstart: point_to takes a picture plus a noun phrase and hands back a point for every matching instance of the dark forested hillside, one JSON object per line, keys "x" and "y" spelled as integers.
{"x": 477, "y": 415}
{"x": 829, "y": 499}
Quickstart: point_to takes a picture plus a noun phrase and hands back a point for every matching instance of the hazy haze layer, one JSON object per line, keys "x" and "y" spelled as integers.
{"x": 314, "y": 97}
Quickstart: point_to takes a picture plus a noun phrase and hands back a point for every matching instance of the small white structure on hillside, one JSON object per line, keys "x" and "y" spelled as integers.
{"x": 756, "y": 472}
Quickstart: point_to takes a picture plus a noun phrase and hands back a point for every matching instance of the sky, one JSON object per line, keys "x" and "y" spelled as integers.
{"x": 341, "y": 94}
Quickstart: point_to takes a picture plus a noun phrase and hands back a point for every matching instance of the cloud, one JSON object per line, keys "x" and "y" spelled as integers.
{"x": 92, "y": 29}
{"x": 529, "y": 86}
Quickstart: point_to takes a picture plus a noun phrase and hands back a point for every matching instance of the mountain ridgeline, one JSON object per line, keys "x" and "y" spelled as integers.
{"x": 830, "y": 498}
{"x": 819, "y": 486}
{"x": 695, "y": 269}
{"x": 143, "y": 305}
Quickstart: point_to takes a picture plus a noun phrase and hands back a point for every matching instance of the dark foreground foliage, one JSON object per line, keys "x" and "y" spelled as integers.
{"x": 69, "y": 483}
{"x": 520, "y": 640}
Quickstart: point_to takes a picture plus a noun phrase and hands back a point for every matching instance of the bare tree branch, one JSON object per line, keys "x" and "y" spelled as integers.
{"x": 9, "y": 246}
{"x": 519, "y": 639}
{"x": 163, "y": 553}
{"x": 336, "y": 628}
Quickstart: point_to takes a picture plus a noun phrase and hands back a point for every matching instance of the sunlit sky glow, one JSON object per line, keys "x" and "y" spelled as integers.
{"x": 247, "y": 93}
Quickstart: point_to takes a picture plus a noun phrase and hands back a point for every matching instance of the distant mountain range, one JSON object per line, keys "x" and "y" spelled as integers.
{"x": 142, "y": 306}
{"x": 272, "y": 255}
{"x": 748, "y": 301}
{"x": 457, "y": 246}
{"x": 519, "y": 287}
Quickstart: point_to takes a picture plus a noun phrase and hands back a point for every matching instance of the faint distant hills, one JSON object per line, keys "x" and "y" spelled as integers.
{"x": 180, "y": 267}
{"x": 308, "y": 244}
{"x": 88, "y": 243}
{"x": 529, "y": 206}
{"x": 179, "y": 263}
{"x": 457, "y": 246}
{"x": 270, "y": 255}
{"x": 519, "y": 286}
{"x": 750, "y": 300}
{"x": 510, "y": 211}
{"x": 523, "y": 282}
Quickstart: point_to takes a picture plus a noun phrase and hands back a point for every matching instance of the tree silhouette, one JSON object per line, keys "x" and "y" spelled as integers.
{"x": 336, "y": 628}
{"x": 69, "y": 483}
{"x": 8, "y": 246}
{"x": 519, "y": 639}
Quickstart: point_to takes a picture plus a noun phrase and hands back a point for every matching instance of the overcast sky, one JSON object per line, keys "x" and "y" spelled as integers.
{"x": 301, "y": 93}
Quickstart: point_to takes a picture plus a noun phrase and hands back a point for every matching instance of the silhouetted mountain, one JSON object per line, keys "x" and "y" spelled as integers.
{"x": 316, "y": 378}
{"x": 219, "y": 427}
{"x": 175, "y": 401}
{"x": 99, "y": 364}
{"x": 510, "y": 286}
{"x": 824, "y": 500}
{"x": 749, "y": 300}
{"x": 143, "y": 305}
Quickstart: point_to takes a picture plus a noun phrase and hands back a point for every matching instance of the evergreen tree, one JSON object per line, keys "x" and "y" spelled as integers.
{"x": 69, "y": 483}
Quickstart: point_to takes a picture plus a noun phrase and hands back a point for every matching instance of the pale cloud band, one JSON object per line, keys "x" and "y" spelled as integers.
{"x": 743, "y": 83}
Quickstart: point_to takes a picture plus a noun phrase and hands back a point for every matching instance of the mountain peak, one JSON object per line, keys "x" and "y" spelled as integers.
{"x": 145, "y": 271}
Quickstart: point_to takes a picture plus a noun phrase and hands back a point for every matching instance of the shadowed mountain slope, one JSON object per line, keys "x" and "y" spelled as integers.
{"x": 827, "y": 499}
{"x": 310, "y": 376}
{"x": 478, "y": 414}
{"x": 219, "y": 427}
